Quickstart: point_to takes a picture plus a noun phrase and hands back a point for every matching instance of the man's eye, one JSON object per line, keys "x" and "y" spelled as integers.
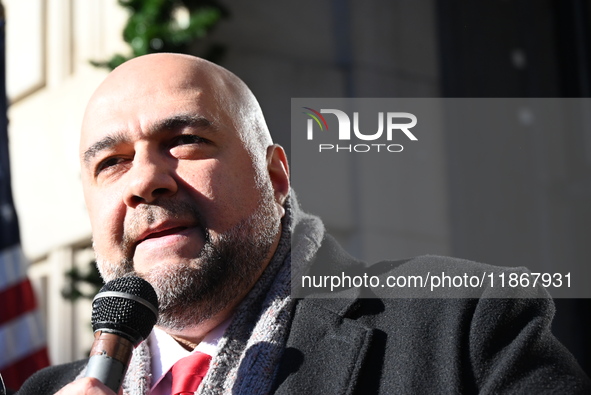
{"x": 187, "y": 139}
{"x": 107, "y": 163}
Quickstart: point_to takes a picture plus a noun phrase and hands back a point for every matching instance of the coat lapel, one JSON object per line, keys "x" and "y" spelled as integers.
{"x": 324, "y": 351}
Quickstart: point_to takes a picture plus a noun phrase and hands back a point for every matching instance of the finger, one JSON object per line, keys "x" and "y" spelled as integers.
{"x": 86, "y": 386}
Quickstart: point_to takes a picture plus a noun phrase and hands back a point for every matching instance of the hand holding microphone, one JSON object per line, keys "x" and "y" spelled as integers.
{"x": 123, "y": 314}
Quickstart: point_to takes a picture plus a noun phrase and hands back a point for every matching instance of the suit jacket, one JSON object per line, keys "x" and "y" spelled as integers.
{"x": 359, "y": 344}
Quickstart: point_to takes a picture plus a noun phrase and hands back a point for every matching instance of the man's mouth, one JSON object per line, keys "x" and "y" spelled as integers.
{"x": 164, "y": 244}
{"x": 165, "y": 236}
{"x": 163, "y": 233}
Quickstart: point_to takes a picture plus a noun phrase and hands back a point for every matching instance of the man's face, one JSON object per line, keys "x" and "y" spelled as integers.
{"x": 172, "y": 192}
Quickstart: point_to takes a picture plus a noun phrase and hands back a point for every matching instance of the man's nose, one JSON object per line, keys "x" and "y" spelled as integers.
{"x": 149, "y": 179}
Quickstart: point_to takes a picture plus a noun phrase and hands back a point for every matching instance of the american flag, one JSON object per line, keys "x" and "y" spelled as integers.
{"x": 23, "y": 348}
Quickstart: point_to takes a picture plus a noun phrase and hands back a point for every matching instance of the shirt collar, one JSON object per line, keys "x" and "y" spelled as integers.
{"x": 166, "y": 351}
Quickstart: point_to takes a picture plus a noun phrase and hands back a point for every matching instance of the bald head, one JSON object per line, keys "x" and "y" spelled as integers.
{"x": 151, "y": 75}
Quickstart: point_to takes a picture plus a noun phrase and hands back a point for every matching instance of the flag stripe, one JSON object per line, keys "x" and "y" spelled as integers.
{"x": 20, "y": 337}
{"x": 12, "y": 266}
{"x": 23, "y": 347}
{"x": 18, "y": 372}
{"x": 19, "y": 299}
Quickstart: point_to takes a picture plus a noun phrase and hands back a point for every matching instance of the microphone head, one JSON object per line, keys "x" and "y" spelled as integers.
{"x": 126, "y": 306}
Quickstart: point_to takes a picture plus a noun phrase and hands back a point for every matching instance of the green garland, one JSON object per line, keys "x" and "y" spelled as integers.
{"x": 74, "y": 289}
{"x": 169, "y": 26}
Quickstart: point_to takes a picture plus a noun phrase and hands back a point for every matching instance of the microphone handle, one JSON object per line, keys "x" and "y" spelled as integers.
{"x": 109, "y": 358}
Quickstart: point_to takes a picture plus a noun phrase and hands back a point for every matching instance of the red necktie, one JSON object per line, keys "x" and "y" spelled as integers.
{"x": 188, "y": 373}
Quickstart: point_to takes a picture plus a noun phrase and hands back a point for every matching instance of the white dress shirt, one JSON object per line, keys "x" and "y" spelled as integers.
{"x": 165, "y": 351}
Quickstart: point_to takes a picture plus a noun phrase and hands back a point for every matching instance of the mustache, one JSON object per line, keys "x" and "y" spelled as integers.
{"x": 147, "y": 214}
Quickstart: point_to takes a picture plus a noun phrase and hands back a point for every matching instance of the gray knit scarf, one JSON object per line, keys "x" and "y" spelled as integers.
{"x": 250, "y": 350}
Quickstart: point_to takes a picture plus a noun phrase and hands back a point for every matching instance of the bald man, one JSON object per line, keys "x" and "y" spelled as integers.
{"x": 185, "y": 188}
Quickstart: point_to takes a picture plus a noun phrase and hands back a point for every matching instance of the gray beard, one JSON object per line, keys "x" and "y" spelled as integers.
{"x": 225, "y": 269}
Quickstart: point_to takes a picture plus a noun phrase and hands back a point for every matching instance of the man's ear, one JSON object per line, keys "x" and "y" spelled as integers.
{"x": 278, "y": 172}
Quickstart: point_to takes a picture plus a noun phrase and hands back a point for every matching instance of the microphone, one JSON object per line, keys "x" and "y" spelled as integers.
{"x": 123, "y": 314}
